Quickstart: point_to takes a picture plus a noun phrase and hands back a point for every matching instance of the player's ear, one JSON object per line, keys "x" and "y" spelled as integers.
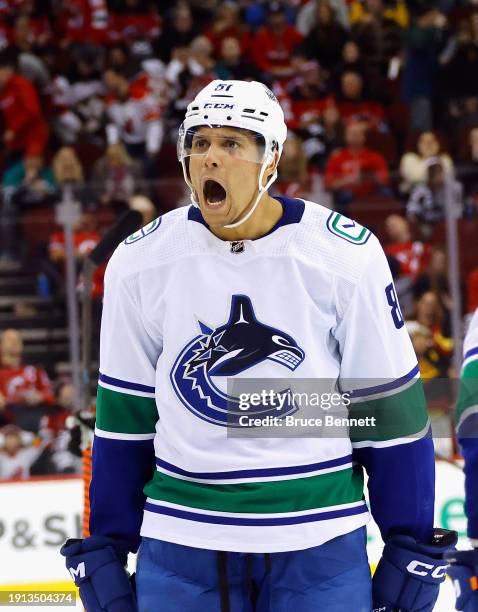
{"x": 270, "y": 168}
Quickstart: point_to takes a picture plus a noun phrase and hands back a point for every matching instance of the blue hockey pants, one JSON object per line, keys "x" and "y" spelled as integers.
{"x": 333, "y": 577}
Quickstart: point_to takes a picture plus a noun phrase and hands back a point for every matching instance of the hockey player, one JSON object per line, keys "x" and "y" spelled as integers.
{"x": 243, "y": 284}
{"x": 464, "y": 564}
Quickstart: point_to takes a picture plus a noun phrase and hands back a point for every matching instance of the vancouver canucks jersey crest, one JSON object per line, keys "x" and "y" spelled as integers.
{"x": 228, "y": 350}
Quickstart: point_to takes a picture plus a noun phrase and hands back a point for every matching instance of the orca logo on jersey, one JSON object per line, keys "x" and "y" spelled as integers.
{"x": 228, "y": 350}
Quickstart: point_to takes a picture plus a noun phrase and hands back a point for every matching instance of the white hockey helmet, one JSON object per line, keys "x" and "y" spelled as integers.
{"x": 247, "y": 105}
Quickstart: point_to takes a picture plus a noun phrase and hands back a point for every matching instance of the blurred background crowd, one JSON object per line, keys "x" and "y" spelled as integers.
{"x": 381, "y": 101}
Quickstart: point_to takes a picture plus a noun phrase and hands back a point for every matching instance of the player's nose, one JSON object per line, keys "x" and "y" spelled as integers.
{"x": 212, "y": 157}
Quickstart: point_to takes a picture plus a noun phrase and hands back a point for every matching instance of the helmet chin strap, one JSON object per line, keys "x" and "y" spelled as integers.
{"x": 260, "y": 193}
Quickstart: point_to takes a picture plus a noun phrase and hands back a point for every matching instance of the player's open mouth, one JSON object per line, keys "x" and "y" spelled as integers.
{"x": 214, "y": 193}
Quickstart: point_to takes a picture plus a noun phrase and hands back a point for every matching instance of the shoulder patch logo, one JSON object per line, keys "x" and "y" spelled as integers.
{"x": 348, "y": 230}
{"x": 144, "y": 231}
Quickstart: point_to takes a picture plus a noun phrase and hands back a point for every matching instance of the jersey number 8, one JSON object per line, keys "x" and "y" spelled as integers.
{"x": 395, "y": 308}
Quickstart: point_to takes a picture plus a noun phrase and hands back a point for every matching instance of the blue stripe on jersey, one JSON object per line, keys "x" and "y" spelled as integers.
{"x": 471, "y": 353}
{"x": 394, "y": 384}
{"x": 255, "y": 522}
{"x": 125, "y": 384}
{"x": 256, "y": 473}
{"x": 293, "y": 210}
{"x": 401, "y": 486}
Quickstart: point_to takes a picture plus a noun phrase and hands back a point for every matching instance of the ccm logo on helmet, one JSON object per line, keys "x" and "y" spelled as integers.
{"x": 218, "y": 105}
{"x": 423, "y": 569}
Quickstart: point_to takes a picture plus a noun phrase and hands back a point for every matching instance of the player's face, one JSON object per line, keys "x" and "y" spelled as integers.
{"x": 224, "y": 165}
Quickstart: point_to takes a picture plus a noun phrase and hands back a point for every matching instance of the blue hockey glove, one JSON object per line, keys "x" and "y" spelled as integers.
{"x": 409, "y": 574}
{"x": 98, "y": 571}
{"x": 463, "y": 571}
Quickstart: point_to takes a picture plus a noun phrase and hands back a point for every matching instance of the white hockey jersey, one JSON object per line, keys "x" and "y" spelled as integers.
{"x": 184, "y": 312}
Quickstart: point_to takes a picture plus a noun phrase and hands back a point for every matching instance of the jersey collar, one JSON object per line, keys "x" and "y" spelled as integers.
{"x": 293, "y": 210}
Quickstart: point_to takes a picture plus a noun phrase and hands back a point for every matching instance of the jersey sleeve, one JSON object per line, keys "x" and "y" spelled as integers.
{"x": 467, "y": 425}
{"x": 380, "y": 372}
{"x": 126, "y": 413}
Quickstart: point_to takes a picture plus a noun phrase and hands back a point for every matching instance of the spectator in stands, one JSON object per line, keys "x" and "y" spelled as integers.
{"x": 354, "y": 104}
{"x": 458, "y": 61}
{"x": 351, "y": 61}
{"x": 427, "y": 203}
{"x": 227, "y": 24}
{"x": 18, "y": 452}
{"x": 425, "y": 40}
{"x": 330, "y": 137}
{"x": 305, "y": 95}
{"x": 76, "y": 104}
{"x": 414, "y": 164}
{"x": 25, "y": 129}
{"x": 119, "y": 59}
{"x": 326, "y": 39}
{"x": 26, "y": 388}
{"x": 429, "y": 313}
{"x": 37, "y": 14}
{"x": 435, "y": 278}
{"x": 314, "y": 118}
{"x": 78, "y": 21}
{"x": 29, "y": 50}
{"x": 27, "y": 184}
{"x": 293, "y": 176}
{"x": 116, "y": 177}
{"x": 378, "y": 33}
{"x": 310, "y": 84}
{"x": 307, "y": 15}
{"x": 201, "y": 54}
{"x": 135, "y": 114}
{"x": 85, "y": 238}
{"x": 30, "y": 181}
{"x": 177, "y": 33}
{"x": 68, "y": 174}
{"x": 138, "y": 24}
{"x": 274, "y": 43}
{"x": 53, "y": 427}
{"x": 469, "y": 173}
{"x": 432, "y": 364}
{"x": 355, "y": 171}
{"x": 410, "y": 257}
{"x": 413, "y": 255}
{"x": 233, "y": 65}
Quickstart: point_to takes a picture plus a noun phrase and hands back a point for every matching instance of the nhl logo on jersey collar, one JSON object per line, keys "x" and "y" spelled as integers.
{"x": 348, "y": 230}
{"x": 237, "y": 246}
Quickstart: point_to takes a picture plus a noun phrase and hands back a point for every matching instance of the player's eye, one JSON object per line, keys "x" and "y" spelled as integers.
{"x": 231, "y": 144}
{"x": 200, "y": 144}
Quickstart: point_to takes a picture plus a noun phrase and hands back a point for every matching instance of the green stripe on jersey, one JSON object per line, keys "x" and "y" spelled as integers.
{"x": 468, "y": 395}
{"x": 334, "y": 488}
{"x": 124, "y": 413}
{"x": 396, "y": 416}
